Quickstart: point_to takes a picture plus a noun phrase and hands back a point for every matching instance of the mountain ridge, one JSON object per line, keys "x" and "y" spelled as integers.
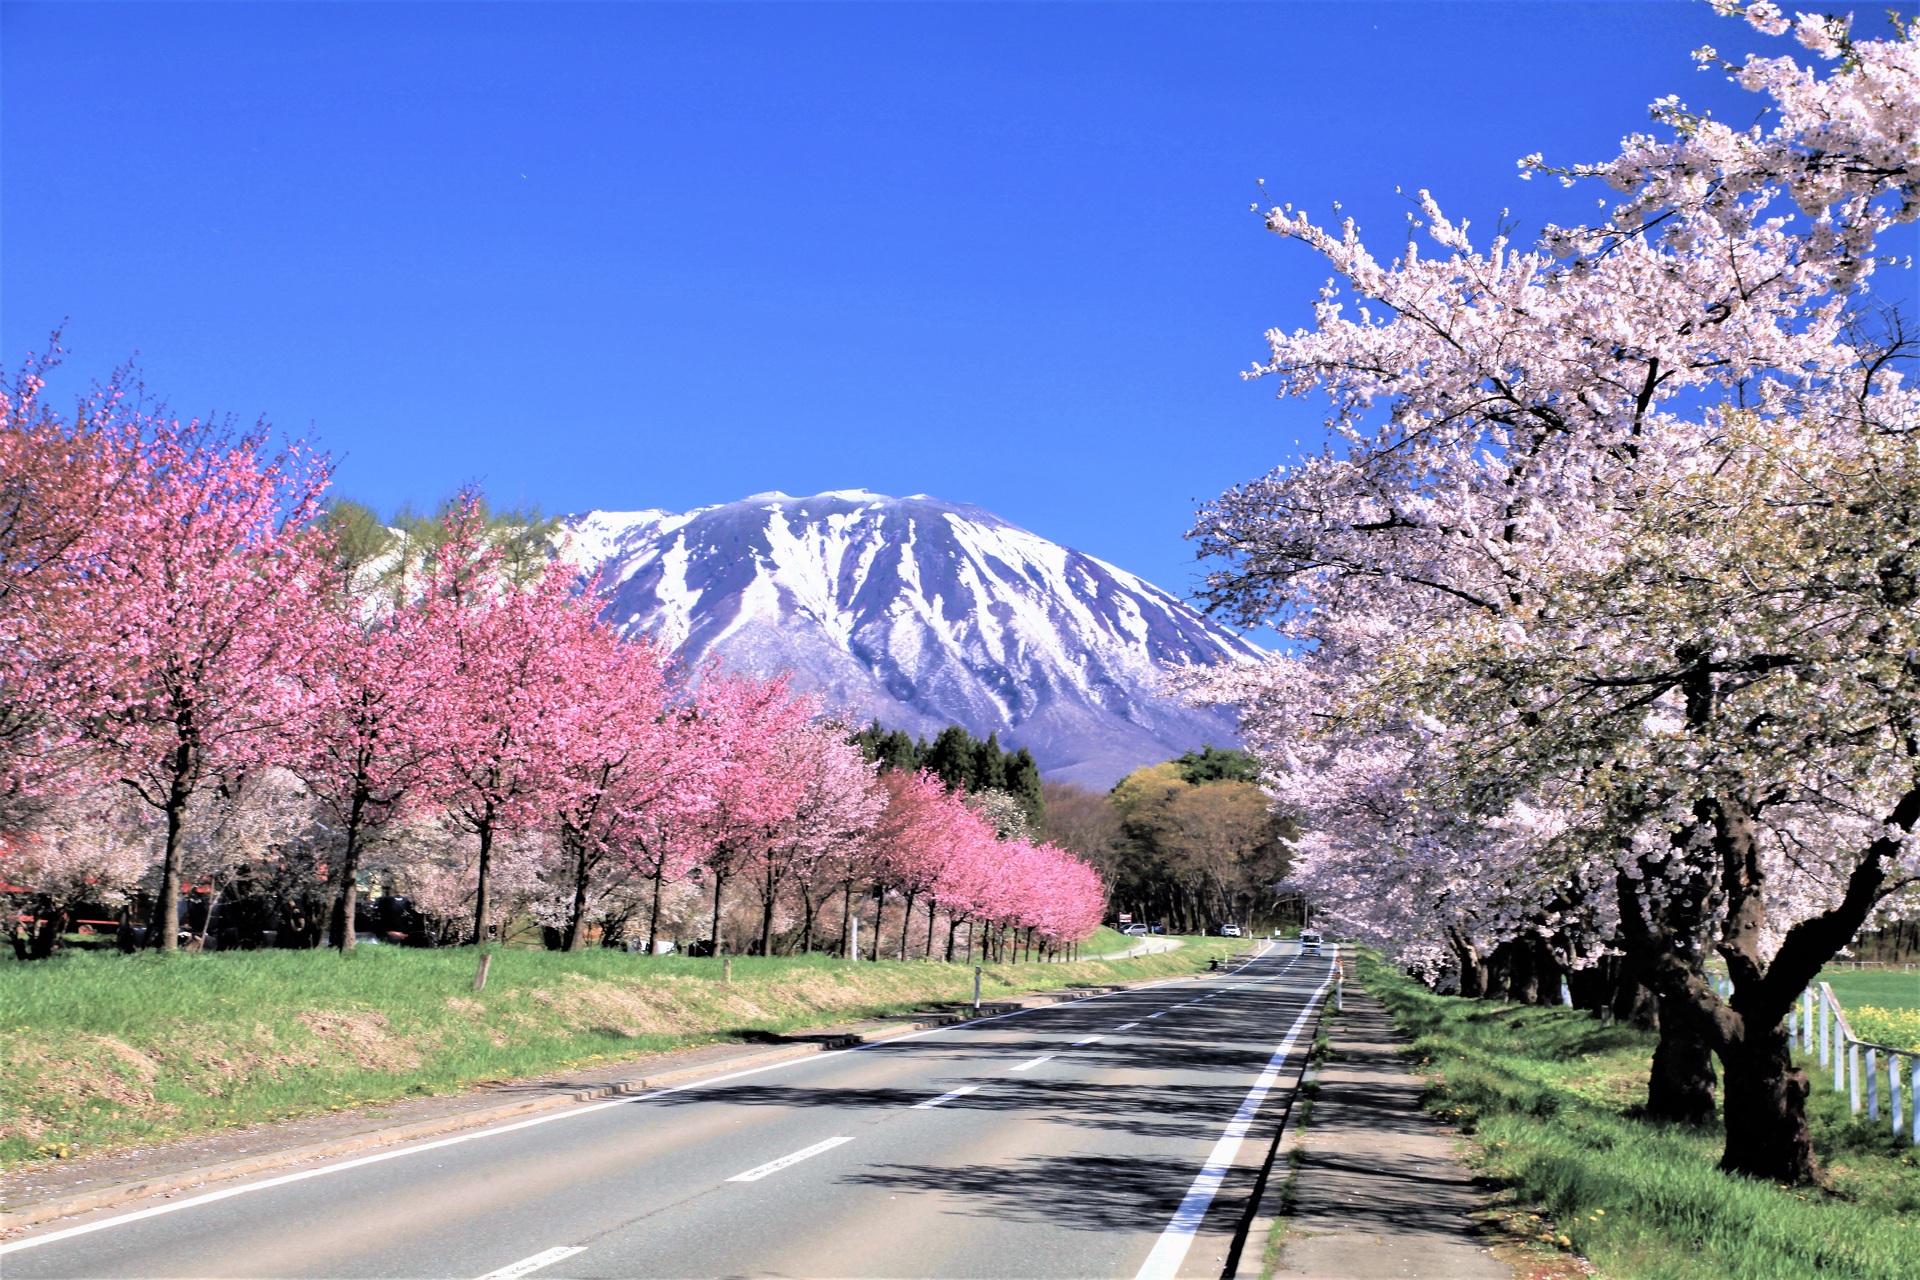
{"x": 918, "y": 612}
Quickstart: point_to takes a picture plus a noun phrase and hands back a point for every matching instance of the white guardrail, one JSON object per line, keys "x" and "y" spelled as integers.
{"x": 1818, "y": 1024}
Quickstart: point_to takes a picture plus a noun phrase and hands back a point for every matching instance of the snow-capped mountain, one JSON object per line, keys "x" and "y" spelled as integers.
{"x": 919, "y": 612}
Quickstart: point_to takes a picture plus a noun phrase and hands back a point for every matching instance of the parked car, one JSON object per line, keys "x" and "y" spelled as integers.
{"x": 1134, "y": 930}
{"x": 1230, "y": 931}
{"x": 1309, "y": 943}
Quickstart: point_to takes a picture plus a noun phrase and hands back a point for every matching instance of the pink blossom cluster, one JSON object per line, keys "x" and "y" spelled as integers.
{"x": 182, "y": 629}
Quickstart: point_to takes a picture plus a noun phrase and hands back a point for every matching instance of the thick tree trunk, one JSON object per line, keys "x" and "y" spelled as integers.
{"x": 879, "y": 917}
{"x": 1499, "y": 972}
{"x": 933, "y": 907}
{"x": 906, "y": 925}
{"x": 806, "y": 928}
{"x": 1473, "y": 969}
{"x": 1680, "y": 1087}
{"x": 1766, "y": 1095}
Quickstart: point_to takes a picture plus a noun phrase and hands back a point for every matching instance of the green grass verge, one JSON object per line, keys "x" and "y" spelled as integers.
{"x": 99, "y": 1049}
{"x": 1885, "y": 989}
{"x": 1549, "y": 1097}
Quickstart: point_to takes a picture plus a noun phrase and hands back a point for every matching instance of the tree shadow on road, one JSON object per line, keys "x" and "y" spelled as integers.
{"x": 1086, "y": 1193}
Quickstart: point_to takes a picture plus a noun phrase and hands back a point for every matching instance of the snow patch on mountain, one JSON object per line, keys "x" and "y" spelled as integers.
{"x": 919, "y": 612}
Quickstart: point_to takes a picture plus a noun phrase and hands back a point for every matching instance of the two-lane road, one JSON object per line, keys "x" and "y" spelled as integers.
{"x": 1093, "y": 1138}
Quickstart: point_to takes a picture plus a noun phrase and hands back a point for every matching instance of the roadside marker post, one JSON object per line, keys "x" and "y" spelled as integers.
{"x": 976, "y": 991}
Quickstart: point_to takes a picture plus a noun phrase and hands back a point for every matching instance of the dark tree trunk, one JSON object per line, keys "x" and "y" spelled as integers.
{"x": 1473, "y": 968}
{"x": 164, "y": 932}
{"x": 1766, "y": 1094}
{"x": 766, "y": 909}
{"x": 1499, "y": 972}
{"x": 1523, "y": 987}
{"x": 576, "y": 933}
{"x": 1681, "y": 1084}
{"x": 653, "y": 916}
{"x": 482, "y": 898}
{"x": 719, "y": 887}
{"x": 806, "y": 929}
{"x": 906, "y": 924}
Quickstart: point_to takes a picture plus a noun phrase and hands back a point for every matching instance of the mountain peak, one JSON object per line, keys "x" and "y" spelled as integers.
{"x": 920, "y": 612}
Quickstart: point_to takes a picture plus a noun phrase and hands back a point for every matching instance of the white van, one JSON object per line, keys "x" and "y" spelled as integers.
{"x": 1309, "y": 943}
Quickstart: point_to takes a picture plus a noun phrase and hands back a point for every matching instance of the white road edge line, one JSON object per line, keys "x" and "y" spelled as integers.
{"x": 174, "y": 1206}
{"x": 1033, "y": 1062}
{"x": 1170, "y": 1250}
{"x": 961, "y": 1092}
{"x": 774, "y": 1166}
{"x": 527, "y": 1266}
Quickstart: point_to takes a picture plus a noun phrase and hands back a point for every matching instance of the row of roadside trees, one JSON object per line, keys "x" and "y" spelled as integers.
{"x": 210, "y": 679}
{"x": 1606, "y": 603}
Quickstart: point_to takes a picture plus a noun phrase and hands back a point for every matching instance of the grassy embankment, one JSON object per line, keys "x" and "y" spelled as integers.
{"x": 1549, "y": 1097}
{"x": 102, "y": 1050}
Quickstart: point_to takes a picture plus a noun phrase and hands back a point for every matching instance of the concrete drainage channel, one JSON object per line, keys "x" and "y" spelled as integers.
{"x": 795, "y": 1045}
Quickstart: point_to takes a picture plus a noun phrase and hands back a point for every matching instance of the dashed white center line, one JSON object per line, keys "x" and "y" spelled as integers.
{"x": 1126, "y": 1026}
{"x": 527, "y": 1266}
{"x": 961, "y": 1092}
{"x": 1161, "y": 1014}
{"x": 1089, "y": 1040}
{"x": 1032, "y": 1062}
{"x": 775, "y": 1166}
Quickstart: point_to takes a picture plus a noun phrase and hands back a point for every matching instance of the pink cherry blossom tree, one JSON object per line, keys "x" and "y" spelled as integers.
{"x": 369, "y": 740}
{"x": 835, "y": 801}
{"x": 751, "y": 797}
{"x": 201, "y": 600}
{"x": 506, "y": 703}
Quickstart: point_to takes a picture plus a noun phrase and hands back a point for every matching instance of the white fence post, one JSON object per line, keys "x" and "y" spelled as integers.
{"x": 1839, "y": 1057}
{"x": 1914, "y": 1093}
{"x": 1853, "y": 1077}
{"x": 1873, "y": 1084}
{"x": 1806, "y": 1020}
{"x": 1825, "y": 1044}
{"x": 1893, "y": 1091}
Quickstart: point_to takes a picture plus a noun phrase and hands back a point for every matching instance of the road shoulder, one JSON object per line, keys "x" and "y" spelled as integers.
{"x": 1374, "y": 1187}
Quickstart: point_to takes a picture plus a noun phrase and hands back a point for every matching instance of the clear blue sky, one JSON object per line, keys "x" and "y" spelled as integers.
{"x": 628, "y": 255}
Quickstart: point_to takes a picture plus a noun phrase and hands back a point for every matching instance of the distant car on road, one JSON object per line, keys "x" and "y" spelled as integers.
{"x": 1134, "y": 930}
{"x": 1309, "y": 943}
{"x": 1230, "y": 931}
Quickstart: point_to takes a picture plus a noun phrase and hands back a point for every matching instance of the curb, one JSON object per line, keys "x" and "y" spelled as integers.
{"x": 1248, "y": 1259}
{"x": 32, "y": 1213}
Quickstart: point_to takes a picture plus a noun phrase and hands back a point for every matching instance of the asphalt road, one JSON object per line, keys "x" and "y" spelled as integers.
{"x": 1093, "y": 1138}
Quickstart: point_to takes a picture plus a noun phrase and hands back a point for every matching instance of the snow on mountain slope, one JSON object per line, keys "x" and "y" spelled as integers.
{"x": 919, "y": 612}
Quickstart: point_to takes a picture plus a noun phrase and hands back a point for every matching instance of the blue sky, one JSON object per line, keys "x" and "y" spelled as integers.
{"x": 630, "y": 255}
